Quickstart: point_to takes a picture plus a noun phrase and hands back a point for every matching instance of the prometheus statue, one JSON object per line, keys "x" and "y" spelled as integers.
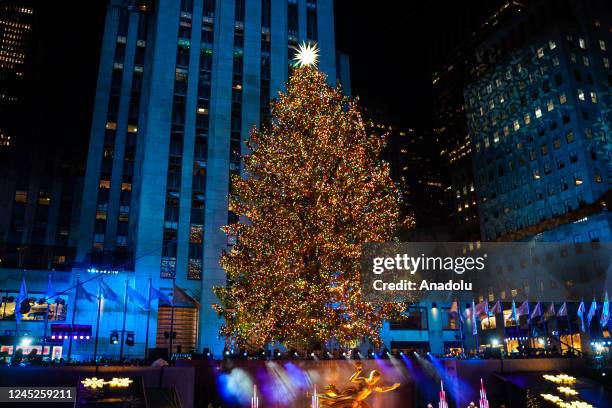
{"x": 354, "y": 397}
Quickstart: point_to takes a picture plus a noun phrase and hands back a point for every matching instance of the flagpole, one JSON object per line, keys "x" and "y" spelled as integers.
{"x": 17, "y": 318}
{"x": 148, "y": 319}
{"x": 172, "y": 317}
{"x": 74, "y": 310}
{"x": 98, "y": 323}
{"x": 46, "y": 320}
{"x": 124, "y": 316}
{"x": 569, "y": 323}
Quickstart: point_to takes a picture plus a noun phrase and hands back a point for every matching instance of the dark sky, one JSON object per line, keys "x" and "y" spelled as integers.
{"x": 390, "y": 45}
{"x": 393, "y": 45}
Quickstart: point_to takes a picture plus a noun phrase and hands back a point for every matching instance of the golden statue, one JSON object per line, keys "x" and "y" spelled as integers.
{"x": 353, "y": 397}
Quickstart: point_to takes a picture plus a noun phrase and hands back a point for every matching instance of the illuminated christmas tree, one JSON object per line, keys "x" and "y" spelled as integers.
{"x": 314, "y": 190}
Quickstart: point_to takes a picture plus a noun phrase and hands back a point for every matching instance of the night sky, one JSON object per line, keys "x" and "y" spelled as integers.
{"x": 391, "y": 48}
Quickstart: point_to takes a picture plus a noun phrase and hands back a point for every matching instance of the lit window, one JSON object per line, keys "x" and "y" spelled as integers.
{"x": 593, "y": 97}
{"x": 555, "y": 61}
{"x": 111, "y": 125}
{"x": 496, "y": 137}
{"x": 44, "y": 198}
{"x": 516, "y": 125}
{"x": 597, "y": 175}
{"x": 104, "y": 183}
{"x": 132, "y": 128}
{"x": 585, "y": 61}
{"x": 536, "y": 174}
{"x": 506, "y": 131}
{"x": 588, "y": 133}
{"x": 606, "y": 62}
{"x": 557, "y": 143}
{"x": 21, "y": 196}
{"x": 527, "y": 119}
{"x": 126, "y": 186}
{"x": 581, "y": 94}
{"x": 552, "y": 45}
{"x": 582, "y": 43}
{"x": 538, "y": 112}
{"x": 540, "y": 52}
{"x": 100, "y": 215}
{"x": 550, "y": 106}
{"x": 578, "y": 178}
{"x": 569, "y": 137}
{"x": 562, "y": 99}
{"x": 573, "y": 57}
{"x": 602, "y": 45}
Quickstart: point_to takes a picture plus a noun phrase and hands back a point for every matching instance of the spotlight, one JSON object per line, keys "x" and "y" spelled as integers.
{"x": 401, "y": 353}
{"x": 87, "y": 337}
{"x": 114, "y": 337}
{"x": 25, "y": 341}
{"x": 129, "y": 338}
{"x": 53, "y": 337}
{"x": 603, "y": 374}
{"x": 495, "y": 342}
{"x": 245, "y": 354}
{"x": 81, "y": 337}
{"x": 312, "y": 354}
{"x": 74, "y": 337}
{"x": 60, "y": 337}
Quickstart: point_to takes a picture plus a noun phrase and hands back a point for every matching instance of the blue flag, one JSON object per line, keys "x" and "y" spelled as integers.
{"x": 137, "y": 298}
{"x": 474, "y": 319}
{"x": 537, "y": 311}
{"x": 514, "y": 313}
{"x": 581, "y": 311}
{"x": 22, "y": 297}
{"x": 605, "y": 312}
{"x": 563, "y": 310}
{"x": 592, "y": 311}
{"x": 82, "y": 293}
{"x": 158, "y": 294}
{"x": 108, "y": 293}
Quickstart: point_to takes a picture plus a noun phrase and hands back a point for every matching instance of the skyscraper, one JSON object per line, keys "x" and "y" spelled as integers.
{"x": 455, "y": 66}
{"x": 16, "y": 19}
{"x": 538, "y": 113}
{"x": 180, "y": 85}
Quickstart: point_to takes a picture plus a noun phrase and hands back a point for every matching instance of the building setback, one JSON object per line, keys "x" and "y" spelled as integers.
{"x": 180, "y": 85}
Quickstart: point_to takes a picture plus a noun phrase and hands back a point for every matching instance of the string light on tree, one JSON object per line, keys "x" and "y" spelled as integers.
{"x": 314, "y": 191}
{"x": 307, "y": 55}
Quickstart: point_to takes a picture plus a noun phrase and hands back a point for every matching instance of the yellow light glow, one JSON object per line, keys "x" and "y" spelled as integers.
{"x": 560, "y": 378}
{"x": 93, "y": 382}
{"x": 567, "y": 391}
{"x": 120, "y": 382}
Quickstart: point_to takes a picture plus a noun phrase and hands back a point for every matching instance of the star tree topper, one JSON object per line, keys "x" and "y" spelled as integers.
{"x": 307, "y": 55}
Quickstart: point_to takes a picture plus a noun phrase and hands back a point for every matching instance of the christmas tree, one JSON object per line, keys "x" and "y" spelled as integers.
{"x": 313, "y": 191}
